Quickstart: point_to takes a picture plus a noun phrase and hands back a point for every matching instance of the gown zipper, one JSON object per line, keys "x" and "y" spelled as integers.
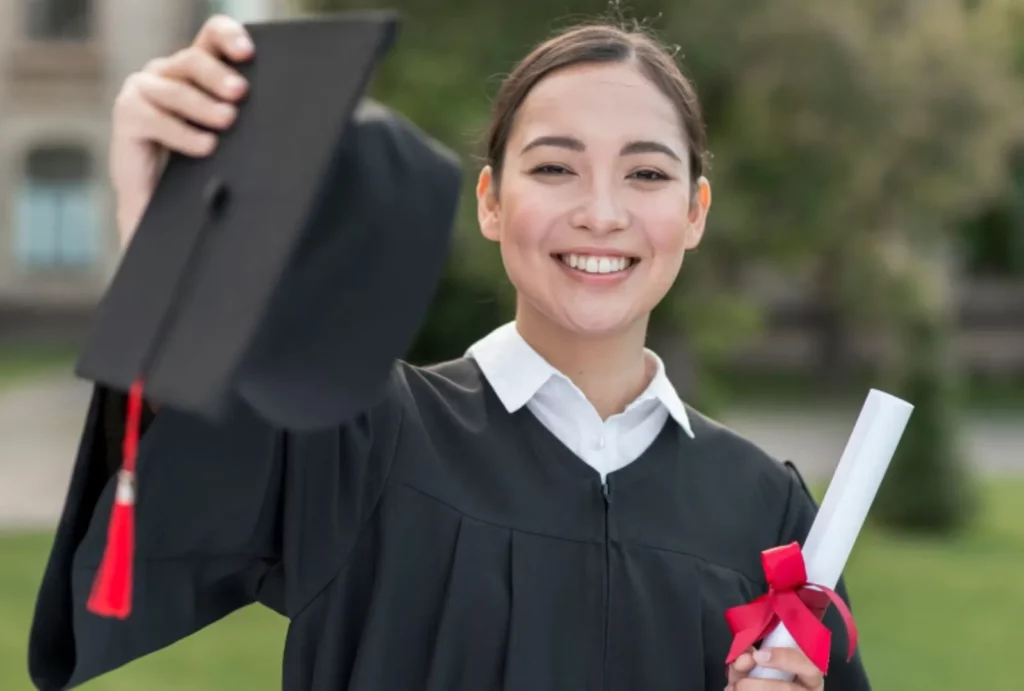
{"x": 606, "y": 490}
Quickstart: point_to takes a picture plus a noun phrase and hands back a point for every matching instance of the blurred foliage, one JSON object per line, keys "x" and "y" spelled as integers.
{"x": 832, "y": 127}
{"x": 993, "y": 237}
{"x": 853, "y": 144}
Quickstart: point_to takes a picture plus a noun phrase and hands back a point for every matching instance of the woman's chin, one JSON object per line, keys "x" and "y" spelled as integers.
{"x": 597, "y": 323}
{"x": 586, "y": 318}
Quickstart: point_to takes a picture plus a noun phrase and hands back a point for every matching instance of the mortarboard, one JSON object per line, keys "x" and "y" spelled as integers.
{"x": 289, "y": 269}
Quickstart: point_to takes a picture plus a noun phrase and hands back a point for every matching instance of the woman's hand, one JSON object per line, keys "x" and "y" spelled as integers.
{"x": 162, "y": 108}
{"x": 792, "y": 660}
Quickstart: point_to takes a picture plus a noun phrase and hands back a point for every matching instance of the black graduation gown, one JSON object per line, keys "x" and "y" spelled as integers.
{"x": 435, "y": 543}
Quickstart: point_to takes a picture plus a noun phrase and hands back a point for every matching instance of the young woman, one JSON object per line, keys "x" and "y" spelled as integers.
{"x": 543, "y": 514}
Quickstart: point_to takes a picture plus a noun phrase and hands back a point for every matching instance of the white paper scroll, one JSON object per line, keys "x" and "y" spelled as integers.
{"x": 853, "y": 488}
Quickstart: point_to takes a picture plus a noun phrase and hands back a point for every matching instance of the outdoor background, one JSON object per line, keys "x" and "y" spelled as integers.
{"x": 867, "y": 158}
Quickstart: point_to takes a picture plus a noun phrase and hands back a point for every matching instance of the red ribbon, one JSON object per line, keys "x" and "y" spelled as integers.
{"x": 794, "y": 602}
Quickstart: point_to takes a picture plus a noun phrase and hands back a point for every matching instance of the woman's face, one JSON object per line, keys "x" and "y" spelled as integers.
{"x": 594, "y": 211}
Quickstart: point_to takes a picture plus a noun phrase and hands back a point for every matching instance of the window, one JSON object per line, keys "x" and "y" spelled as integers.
{"x": 58, "y": 210}
{"x": 60, "y": 20}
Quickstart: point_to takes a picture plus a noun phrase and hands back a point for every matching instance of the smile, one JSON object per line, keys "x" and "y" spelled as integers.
{"x": 597, "y": 264}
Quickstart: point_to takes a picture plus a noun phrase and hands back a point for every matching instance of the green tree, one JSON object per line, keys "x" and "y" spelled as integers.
{"x": 851, "y": 139}
{"x": 928, "y": 487}
{"x": 993, "y": 237}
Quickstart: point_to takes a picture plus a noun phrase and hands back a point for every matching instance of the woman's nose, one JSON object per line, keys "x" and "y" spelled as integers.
{"x": 601, "y": 212}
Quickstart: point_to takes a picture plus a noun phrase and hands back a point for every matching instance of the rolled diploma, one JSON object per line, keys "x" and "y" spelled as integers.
{"x": 853, "y": 488}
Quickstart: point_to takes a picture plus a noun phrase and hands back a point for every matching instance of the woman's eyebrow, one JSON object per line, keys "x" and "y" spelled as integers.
{"x": 560, "y": 142}
{"x": 644, "y": 146}
{"x": 647, "y": 146}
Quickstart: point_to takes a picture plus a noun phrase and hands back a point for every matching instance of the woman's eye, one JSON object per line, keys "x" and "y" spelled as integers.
{"x": 649, "y": 175}
{"x": 550, "y": 169}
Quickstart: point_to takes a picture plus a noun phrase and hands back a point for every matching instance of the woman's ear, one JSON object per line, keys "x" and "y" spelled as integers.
{"x": 487, "y": 205}
{"x": 698, "y": 214}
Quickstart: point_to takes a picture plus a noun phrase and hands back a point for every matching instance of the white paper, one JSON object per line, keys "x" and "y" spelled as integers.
{"x": 853, "y": 489}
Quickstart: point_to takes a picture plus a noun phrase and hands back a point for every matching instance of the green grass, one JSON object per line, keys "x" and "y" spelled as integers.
{"x": 20, "y": 364}
{"x": 242, "y": 651}
{"x": 936, "y": 615}
{"x": 940, "y": 615}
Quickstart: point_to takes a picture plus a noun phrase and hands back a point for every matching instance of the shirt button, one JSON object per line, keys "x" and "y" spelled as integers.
{"x": 599, "y": 443}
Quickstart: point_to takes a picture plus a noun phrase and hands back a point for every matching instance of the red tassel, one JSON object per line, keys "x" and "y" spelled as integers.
{"x": 112, "y": 591}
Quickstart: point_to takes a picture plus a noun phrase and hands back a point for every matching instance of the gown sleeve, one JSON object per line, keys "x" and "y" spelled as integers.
{"x": 220, "y": 511}
{"x": 800, "y": 513}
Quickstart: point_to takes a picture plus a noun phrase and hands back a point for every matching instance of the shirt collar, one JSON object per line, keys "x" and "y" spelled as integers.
{"x": 513, "y": 368}
{"x": 662, "y": 389}
{"x": 517, "y": 372}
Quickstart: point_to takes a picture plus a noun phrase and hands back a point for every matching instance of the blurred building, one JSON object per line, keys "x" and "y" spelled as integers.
{"x": 61, "y": 64}
{"x": 63, "y": 61}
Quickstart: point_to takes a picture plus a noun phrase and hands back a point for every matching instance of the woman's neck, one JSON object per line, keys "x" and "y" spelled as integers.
{"x": 611, "y": 371}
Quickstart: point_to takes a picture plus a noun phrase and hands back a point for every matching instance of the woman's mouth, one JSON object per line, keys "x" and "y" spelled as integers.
{"x": 597, "y": 264}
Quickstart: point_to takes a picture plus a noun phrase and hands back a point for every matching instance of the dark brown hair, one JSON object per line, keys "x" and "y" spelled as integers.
{"x": 597, "y": 43}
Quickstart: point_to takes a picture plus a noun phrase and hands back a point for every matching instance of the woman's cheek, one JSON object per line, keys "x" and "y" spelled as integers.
{"x": 668, "y": 234}
{"x": 519, "y": 249}
{"x": 667, "y": 238}
{"x": 525, "y": 228}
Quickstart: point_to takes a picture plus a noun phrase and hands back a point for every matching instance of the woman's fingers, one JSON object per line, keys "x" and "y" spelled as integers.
{"x": 764, "y": 685}
{"x": 140, "y": 119}
{"x": 175, "y": 103}
{"x": 186, "y": 101}
{"x": 203, "y": 69}
{"x": 173, "y": 99}
{"x": 741, "y": 667}
{"x": 794, "y": 661}
{"x": 226, "y": 37}
{"x": 807, "y": 677}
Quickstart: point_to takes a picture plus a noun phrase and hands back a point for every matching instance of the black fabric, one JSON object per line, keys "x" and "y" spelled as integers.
{"x": 435, "y": 542}
{"x": 249, "y": 266}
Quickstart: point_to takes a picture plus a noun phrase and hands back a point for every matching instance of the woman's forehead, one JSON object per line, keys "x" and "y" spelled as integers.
{"x": 602, "y": 101}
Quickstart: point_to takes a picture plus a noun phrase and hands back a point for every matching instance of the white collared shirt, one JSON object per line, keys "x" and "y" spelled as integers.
{"x": 520, "y": 376}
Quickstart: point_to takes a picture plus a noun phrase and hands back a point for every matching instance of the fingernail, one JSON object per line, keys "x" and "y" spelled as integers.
{"x": 243, "y": 43}
{"x": 226, "y": 112}
{"x": 208, "y": 142}
{"x": 234, "y": 82}
{"x": 762, "y": 656}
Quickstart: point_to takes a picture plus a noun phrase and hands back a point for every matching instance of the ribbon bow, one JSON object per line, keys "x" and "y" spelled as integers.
{"x": 794, "y": 602}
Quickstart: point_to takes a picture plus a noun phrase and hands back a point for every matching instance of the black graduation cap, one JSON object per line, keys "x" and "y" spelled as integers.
{"x": 288, "y": 269}
{"x": 295, "y": 263}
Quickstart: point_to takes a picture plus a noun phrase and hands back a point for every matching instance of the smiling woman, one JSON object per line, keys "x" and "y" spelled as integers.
{"x": 544, "y": 513}
{"x": 594, "y": 189}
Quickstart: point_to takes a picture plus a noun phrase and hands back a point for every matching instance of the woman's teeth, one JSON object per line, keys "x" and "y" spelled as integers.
{"x": 596, "y": 265}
